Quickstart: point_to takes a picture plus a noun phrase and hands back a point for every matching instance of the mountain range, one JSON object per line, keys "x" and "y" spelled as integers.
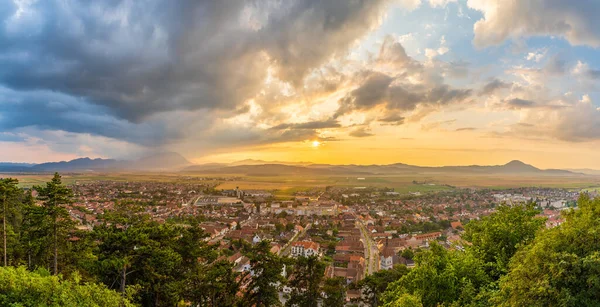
{"x": 170, "y": 161}
{"x": 265, "y": 168}
{"x": 166, "y": 161}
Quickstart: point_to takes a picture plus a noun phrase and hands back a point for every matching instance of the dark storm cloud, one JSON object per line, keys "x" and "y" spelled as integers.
{"x": 54, "y": 111}
{"x": 381, "y": 89}
{"x": 330, "y": 123}
{"x": 493, "y": 86}
{"x": 392, "y": 119}
{"x": 518, "y": 103}
{"x": 126, "y": 61}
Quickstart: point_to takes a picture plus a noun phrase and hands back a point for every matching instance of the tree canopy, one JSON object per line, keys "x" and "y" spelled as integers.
{"x": 19, "y": 287}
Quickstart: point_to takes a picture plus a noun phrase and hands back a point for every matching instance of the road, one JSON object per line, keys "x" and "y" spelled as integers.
{"x": 371, "y": 250}
{"x": 286, "y": 248}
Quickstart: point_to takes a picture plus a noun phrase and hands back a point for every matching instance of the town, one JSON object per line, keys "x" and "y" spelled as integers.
{"x": 355, "y": 231}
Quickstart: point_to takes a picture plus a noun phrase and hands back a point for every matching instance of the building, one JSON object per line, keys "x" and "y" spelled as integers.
{"x": 305, "y": 249}
{"x": 388, "y": 258}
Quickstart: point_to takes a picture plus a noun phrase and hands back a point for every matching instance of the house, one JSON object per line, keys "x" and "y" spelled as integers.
{"x": 256, "y": 239}
{"x": 305, "y": 249}
{"x": 429, "y": 236}
{"x": 456, "y": 225}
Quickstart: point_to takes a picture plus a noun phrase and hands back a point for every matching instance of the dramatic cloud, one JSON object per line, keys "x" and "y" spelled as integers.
{"x": 576, "y": 123}
{"x": 115, "y": 78}
{"x": 330, "y": 123}
{"x": 576, "y": 21}
{"x": 407, "y": 86}
{"x": 380, "y": 89}
{"x": 584, "y": 70}
{"x": 111, "y": 67}
{"x": 392, "y": 119}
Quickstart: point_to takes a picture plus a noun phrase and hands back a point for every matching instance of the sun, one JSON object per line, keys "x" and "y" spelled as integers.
{"x": 316, "y": 144}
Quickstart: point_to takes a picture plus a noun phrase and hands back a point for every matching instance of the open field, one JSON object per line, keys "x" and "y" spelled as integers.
{"x": 286, "y": 186}
{"x": 28, "y": 180}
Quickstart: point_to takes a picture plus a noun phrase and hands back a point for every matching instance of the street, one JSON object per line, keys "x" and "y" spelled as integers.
{"x": 371, "y": 251}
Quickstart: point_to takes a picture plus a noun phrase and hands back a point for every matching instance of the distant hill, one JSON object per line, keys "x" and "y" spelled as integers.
{"x": 73, "y": 165}
{"x": 261, "y": 162}
{"x": 15, "y": 167}
{"x": 170, "y": 161}
{"x": 586, "y": 171}
{"x": 167, "y": 161}
{"x": 269, "y": 168}
{"x": 16, "y": 164}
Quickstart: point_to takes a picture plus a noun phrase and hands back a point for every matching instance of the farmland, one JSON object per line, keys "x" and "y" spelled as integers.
{"x": 286, "y": 185}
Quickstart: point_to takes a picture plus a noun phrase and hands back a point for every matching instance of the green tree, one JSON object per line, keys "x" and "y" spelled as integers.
{"x": 35, "y": 231}
{"x": 441, "y": 277}
{"x": 407, "y": 253}
{"x": 214, "y": 285}
{"x": 305, "y": 281}
{"x": 495, "y": 239}
{"x": 405, "y": 300}
{"x": 265, "y": 276}
{"x": 19, "y": 287}
{"x": 561, "y": 267}
{"x": 8, "y": 192}
{"x": 334, "y": 290}
{"x": 373, "y": 286}
{"x": 54, "y": 196}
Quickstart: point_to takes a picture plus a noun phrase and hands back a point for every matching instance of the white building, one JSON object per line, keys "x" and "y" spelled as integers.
{"x": 387, "y": 259}
{"x": 305, "y": 249}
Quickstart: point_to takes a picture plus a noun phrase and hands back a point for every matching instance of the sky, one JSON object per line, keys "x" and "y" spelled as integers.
{"x": 424, "y": 82}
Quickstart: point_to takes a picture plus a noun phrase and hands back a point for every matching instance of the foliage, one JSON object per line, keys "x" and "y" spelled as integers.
{"x": 54, "y": 196}
{"x": 9, "y": 192}
{"x": 562, "y": 265}
{"x": 455, "y": 278}
{"x": 215, "y": 285}
{"x": 495, "y": 239}
{"x": 19, "y": 287}
{"x": 440, "y": 277}
{"x": 265, "y": 276}
{"x": 373, "y": 286}
{"x": 305, "y": 281}
{"x": 405, "y": 300}
{"x": 334, "y": 290}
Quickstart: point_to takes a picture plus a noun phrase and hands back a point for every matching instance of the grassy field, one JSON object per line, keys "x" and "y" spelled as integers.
{"x": 286, "y": 186}
{"x": 28, "y": 180}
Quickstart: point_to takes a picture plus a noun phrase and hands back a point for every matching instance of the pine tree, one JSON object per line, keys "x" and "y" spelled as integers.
{"x": 54, "y": 196}
{"x": 8, "y": 192}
